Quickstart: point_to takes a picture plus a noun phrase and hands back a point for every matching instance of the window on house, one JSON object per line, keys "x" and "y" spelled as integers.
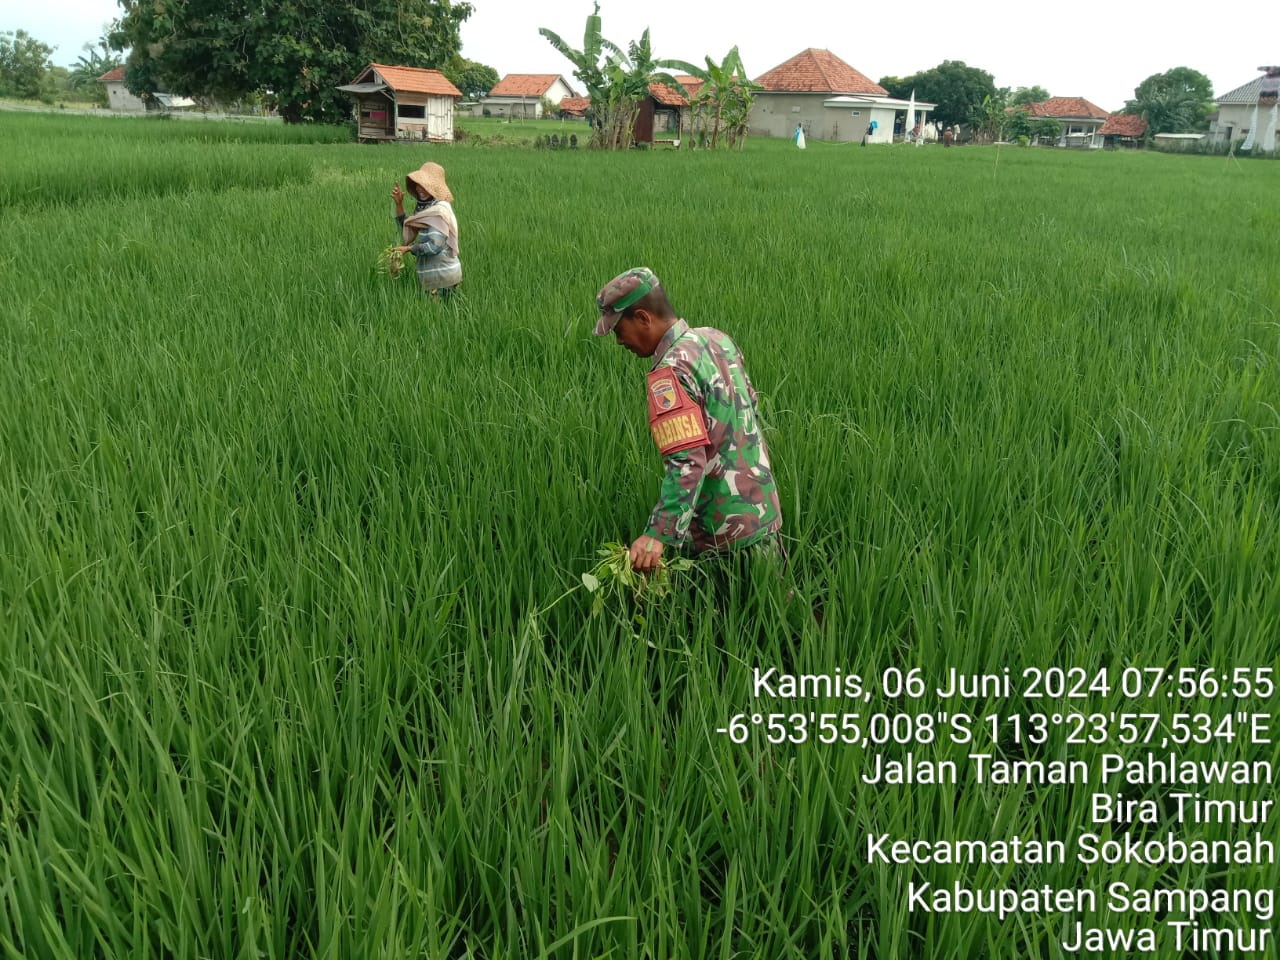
{"x": 408, "y": 111}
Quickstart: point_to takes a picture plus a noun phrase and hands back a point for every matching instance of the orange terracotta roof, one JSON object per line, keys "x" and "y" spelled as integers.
{"x": 817, "y": 71}
{"x": 692, "y": 84}
{"x": 666, "y": 96}
{"x": 524, "y": 85}
{"x": 415, "y": 80}
{"x": 575, "y": 105}
{"x": 112, "y": 76}
{"x": 1062, "y": 108}
{"x": 1124, "y": 125}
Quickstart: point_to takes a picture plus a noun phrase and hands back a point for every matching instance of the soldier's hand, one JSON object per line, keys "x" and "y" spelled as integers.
{"x": 646, "y": 553}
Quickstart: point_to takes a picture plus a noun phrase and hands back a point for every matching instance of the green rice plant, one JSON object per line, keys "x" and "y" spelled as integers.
{"x": 280, "y": 548}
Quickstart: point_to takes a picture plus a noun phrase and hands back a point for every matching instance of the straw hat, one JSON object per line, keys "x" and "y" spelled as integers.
{"x": 430, "y": 176}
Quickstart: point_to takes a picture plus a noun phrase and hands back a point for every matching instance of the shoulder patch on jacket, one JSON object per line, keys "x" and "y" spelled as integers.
{"x": 674, "y": 419}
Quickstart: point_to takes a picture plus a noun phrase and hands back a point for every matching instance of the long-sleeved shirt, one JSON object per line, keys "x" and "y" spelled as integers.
{"x": 437, "y": 269}
{"x": 721, "y": 491}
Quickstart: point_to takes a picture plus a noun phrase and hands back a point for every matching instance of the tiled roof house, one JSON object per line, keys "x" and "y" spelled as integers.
{"x": 831, "y": 100}
{"x": 1125, "y": 129}
{"x": 522, "y": 94}
{"x": 120, "y": 99}
{"x": 1239, "y": 112}
{"x": 1081, "y": 119}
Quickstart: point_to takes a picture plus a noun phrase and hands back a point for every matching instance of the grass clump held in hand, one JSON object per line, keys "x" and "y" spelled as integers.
{"x": 391, "y": 262}
{"x": 613, "y": 578}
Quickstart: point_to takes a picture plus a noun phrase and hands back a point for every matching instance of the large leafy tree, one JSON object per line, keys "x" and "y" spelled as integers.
{"x": 472, "y": 78}
{"x": 1176, "y": 101}
{"x": 956, "y": 88}
{"x": 24, "y": 65}
{"x": 297, "y": 51}
{"x": 1024, "y": 96}
{"x": 617, "y": 80}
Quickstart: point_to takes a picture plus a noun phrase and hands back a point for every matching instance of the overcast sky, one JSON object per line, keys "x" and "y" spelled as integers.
{"x": 1088, "y": 48}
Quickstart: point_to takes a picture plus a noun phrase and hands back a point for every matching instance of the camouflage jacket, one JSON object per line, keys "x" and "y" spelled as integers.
{"x": 719, "y": 488}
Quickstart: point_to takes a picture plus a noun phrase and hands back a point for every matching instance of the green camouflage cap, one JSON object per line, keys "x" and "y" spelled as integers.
{"x": 621, "y": 292}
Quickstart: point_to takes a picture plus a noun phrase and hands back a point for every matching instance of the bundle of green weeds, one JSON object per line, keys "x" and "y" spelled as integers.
{"x": 391, "y": 262}
{"x": 613, "y": 580}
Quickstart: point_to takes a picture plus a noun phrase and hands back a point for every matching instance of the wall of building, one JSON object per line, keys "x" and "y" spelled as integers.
{"x": 530, "y": 108}
{"x": 559, "y": 90}
{"x": 776, "y": 115}
{"x": 1235, "y": 119}
{"x": 435, "y": 121}
{"x": 119, "y": 98}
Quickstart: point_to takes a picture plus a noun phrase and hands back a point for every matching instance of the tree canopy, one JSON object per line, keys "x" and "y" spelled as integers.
{"x": 473, "y": 79}
{"x": 297, "y": 51}
{"x": 1176, "y": 101}
{"x": 24, "y": 65}
{"x": 957, "y": 89}
{"x": 1028, "y": 95}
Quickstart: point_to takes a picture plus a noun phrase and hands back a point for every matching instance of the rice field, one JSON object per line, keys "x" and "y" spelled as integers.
{"x": 296, "y": 656}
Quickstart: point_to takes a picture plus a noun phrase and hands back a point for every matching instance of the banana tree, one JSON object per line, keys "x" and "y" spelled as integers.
{"x": 617, "y": 81}
{"x": 588, "y": 67}
{"x": 725, "y": 97}
{"x": 90, "y": 65}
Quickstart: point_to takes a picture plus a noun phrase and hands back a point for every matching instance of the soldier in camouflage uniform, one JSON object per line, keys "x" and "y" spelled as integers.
{"x": 718, "y": 494}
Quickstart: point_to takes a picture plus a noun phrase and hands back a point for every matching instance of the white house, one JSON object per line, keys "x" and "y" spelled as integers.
{"x": 120, "y": 99}
{"x": 118, "y": 96}
{"x": 829, "y": 99}
{"x": 403, "y": 103}
{"x": 1239, "y": 113}
{"x": 522, "y": 94}
{"x": 1081, "y": 119}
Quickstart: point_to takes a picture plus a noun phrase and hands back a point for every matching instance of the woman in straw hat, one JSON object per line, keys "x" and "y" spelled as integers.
{"x": 430, "y": 233}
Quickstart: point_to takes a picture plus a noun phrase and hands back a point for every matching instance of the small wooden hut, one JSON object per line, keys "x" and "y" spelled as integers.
{"x": 403, "y": 103}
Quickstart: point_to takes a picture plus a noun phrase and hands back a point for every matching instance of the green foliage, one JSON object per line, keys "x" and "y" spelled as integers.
{"x": 1176, "y": 101}
{"x": 991, "y": 119}
{"x": 472, "y": 78}
{"x": 723, "y": 101}
{"x": 1023, "y": 96}
{"x": 297, "y": 50}
{"x": 613, "y": 582}
{"x": 274, "y": 537}
{"x": 24, "y": 66}
{"x": 1018, "y": 125}
{"x": 93, "y": 63}
{"x": 957, "y": 89}
{"x": 617, "y": 81}
{"x": 1046, "y": 129}
{"x": 390, "y": 263}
